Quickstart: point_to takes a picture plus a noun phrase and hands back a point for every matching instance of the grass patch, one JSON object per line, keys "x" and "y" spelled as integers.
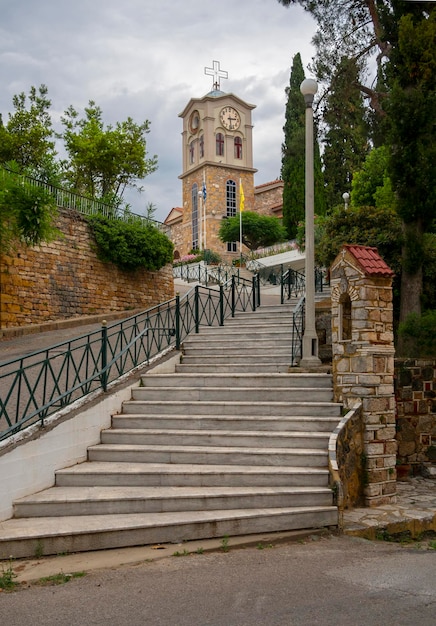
{"x": 7, "y": 577}
{"x": 59, "y": 579}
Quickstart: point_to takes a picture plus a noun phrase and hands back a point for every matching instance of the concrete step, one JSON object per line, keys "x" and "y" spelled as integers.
{"x": 236, "y": 394}
{"x": 248, "y": 341}
{"x": 118, "y": 474}
{"x": 68, "y": 501}
{"x": 225, "y": 438}
{"x": 236, "y": 355}
{"x": 255, "y": 368}
{"x": 137, "y": 453}
{"x": 268, "y": 423}
{"x": 53, "y": 535}
{"x": 318, "y": 381}
{"x": 171, "y": 407}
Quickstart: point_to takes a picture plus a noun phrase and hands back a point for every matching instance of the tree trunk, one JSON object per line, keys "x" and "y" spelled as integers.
{"x": 411, "y": 275}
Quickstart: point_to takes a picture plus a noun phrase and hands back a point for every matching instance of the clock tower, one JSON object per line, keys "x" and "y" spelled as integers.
{"x": 217, "y": 167}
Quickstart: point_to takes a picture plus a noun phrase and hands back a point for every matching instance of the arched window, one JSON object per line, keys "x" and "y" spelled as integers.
{"x": 345, "y": 317}
{"x": 219, "y": 144}
{"x": 230, "y": 198}
{"x": 238, "y": 148}
{"x": 201, "y": 147}
{"x": 194, "y": 200}
{"x": 191, "y": 152}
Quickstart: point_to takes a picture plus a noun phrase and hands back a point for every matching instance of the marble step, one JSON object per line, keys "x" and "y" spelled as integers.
{"x": 137, "y": 453}
{"x": 227, "y": 422}
{"x": 232, "y": 394}
{"x": 319, "y": 381}
{"x": 225, "y": 438}
{"x": 65, "y": 501}
{"x": 324, "y": 409}
{"x": 119, "y": 473}
{"x": 81, "y": 533}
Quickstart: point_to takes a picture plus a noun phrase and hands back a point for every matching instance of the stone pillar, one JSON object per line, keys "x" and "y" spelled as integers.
{"x": 363, "y": 359}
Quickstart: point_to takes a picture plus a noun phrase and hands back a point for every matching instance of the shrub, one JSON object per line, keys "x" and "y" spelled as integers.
{"x": 418, "y": 335}
{"x": 131, "y": 245}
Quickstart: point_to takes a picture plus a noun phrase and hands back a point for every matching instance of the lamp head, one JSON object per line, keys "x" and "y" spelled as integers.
{"x": 308, "y": 88}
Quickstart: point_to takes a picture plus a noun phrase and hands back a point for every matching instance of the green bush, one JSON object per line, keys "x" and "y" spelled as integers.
{"x": 27, "y": 212}
{"x": 131, "y": 245}
{"x": 418, "y": 335}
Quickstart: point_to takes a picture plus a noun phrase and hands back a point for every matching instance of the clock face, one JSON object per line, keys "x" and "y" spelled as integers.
{"x": 230, "y": 118}
{"x": 194, "y": 121}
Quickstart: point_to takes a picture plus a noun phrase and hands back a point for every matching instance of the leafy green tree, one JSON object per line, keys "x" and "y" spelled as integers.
{"x": 361, "y": 225}
{"x": 346, "y": 139}
{"x": 27, "y": 138}
{"x": 293, "y": 156}
{"x": 103, "y": 161}
{"x": 257, "y": 230}
{"x": 371, "y": 185}
{"x": 411, "y": 106}
{"x": 400, "y": 36}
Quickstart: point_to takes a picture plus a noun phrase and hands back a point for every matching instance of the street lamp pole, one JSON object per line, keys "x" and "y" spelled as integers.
{"x": 309, "y": 358}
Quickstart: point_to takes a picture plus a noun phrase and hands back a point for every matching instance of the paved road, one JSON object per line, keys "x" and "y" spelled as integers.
{"x": 332, "y": 581}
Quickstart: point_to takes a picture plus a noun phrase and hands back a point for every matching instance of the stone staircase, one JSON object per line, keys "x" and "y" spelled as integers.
{"x": 230, "y": 444}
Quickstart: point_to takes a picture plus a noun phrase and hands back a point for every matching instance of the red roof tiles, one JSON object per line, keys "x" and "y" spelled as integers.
{"x": 370, "y": 260}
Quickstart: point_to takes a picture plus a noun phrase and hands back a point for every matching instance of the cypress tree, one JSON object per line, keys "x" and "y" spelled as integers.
{"x": 293, "y": 155}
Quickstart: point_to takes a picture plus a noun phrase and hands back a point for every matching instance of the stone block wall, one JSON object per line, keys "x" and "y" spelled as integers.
{"x": 363, "y": 365}
{"x": 347, "y": 457}
{"x": 415, "y": 392}
{"x": 64, "y": 279}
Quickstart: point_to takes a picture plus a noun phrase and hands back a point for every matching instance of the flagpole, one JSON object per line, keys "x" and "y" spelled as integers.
{"x": 241, "y": 208}
{"x": 204, "y": 214}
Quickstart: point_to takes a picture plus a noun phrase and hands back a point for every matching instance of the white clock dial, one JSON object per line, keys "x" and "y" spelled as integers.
{"x": 230, "y": 118}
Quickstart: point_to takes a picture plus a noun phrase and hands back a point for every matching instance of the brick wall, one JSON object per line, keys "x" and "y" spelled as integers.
{"x": 64, "y": 279}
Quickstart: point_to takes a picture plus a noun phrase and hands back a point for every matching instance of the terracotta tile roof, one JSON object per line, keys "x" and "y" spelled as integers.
{"x": 370, "y": 260}
{"x": 271, "y": 182}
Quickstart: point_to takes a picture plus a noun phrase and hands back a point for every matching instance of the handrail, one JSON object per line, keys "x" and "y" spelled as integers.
{"x": 39, "y": 384}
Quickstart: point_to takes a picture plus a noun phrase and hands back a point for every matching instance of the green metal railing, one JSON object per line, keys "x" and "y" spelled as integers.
{"x": 38, "y": 385}
{"x": 292, "y": 283}
{"x": 207, "y": 275}
{"x": 86, "y": 206}
{"x": 298, "y": 332}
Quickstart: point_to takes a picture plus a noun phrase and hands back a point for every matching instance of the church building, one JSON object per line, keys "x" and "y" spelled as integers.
{"x": 218, "y": 173}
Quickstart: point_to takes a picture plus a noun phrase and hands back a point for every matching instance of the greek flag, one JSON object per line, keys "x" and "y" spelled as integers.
{"x": 204, "y": 192}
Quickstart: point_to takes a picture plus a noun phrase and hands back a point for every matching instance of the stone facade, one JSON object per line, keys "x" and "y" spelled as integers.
{"x": 268, "y": 199}
{"x": 415, "y": 391}
{"x": 213, "y": 211}
{"x": 363, "y": 359}
{"x": 64, "y": 279}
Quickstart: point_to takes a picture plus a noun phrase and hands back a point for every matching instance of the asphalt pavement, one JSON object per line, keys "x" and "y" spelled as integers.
{"x": 322, "y": 580}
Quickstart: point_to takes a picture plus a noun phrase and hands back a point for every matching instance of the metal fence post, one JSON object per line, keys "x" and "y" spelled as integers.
{"x": 253, "y": 293}
{"x": 221, "y": 305}
{"x": 177, "y": 321}
{"x": 196, "y": 308}
{"x": 233, "y": 295}
{"x": 104, "y": 374}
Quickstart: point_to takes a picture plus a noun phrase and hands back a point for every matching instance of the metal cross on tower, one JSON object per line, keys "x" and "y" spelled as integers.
{"x": 216, "y": 73}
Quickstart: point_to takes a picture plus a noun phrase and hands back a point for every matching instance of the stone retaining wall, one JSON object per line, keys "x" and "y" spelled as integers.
{"x": 415, "y": 392}
{"x": 64, "y": 279}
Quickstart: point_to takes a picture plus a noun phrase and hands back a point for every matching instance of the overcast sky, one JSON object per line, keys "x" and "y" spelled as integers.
{"x": 146, "y": 58}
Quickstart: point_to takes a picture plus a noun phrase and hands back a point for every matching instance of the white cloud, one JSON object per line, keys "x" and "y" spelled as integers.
{"x": 146, "y": 59}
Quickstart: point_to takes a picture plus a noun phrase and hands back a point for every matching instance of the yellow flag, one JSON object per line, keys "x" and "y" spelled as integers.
{"x": 241, "y": 197}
